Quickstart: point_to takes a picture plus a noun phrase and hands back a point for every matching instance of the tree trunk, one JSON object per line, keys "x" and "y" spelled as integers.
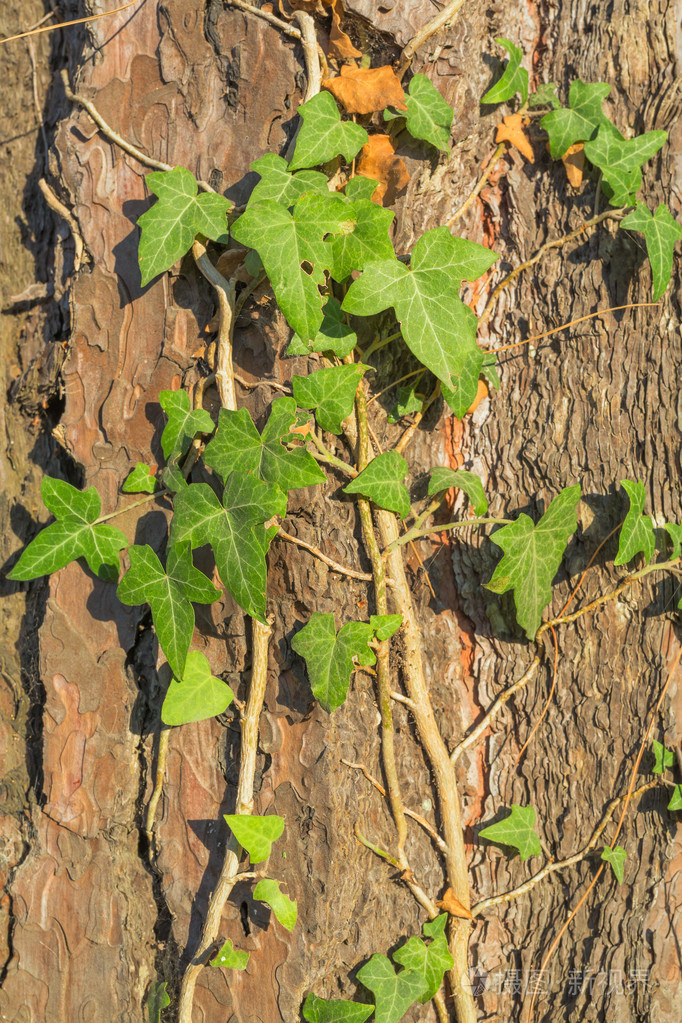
{"x": 92, "y": 915}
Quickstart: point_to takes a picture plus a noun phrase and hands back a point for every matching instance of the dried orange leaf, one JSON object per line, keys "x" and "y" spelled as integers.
{"x": 364, "y": 90}
{"x": 339, "y": 42}
{"x": 453, "y": 906}
{"x": 574, "y": 162}
{"x": 481, "y": 394}
{"x": 377, "y": 160}
{"x": 511, "y": 130}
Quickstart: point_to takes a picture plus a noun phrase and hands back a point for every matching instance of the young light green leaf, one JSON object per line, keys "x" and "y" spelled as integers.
{"x": 368, "y": 242}
{"x": 430, "y": 961}
{"x": 330, "y": 392}
{"x": 661, "y": 233}
{"x": 184, "y": 423}
{"x": 140, "y": 481}
{"x": 443, "y": 478}
{"x": 663, "y": 758}
{"x": 255, "y": 834}
{"x": 278, "y": 184}
{"x": 516, "y": 831}
{"x": 289, "y": 243}
{"x": 381, "y": 483}
{"x": 170, "y": 594}
{"x": 545, "y": 96}
{"x": 436, "y": 325}
{"x": 330, "y": 658}
{"x": 335, "y": 1010}
{"x": 281, "y": 905}
{"x": 532, "y": 555}
{"x": 238, "y": 447}
{"x": 157, "y": 1000}
{"x": 75, "y": 534}
{"x": 171, "y": 225}
{"x": 676, "y": 799}
{"x": 393, "y": 992}
{"x": 360, "y": 187}
{"x": 384, "y": 626}
{"x": 637, "y": 533}
{"x": 579, "y": 123}
{"x": 197, "y": 696}
{"x": 230, "y": 958}
{"x": 323, "y": 135}
{"x": 429, "y": 117}
{"x": 616, "y": 857}
{"x": 235, "y": 531}
{"x": 334, "y": 334}
{"x": 408, "y": 401}
{"x": 514, "y": 79}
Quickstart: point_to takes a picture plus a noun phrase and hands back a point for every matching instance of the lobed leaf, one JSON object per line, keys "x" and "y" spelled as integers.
{"x": 384, "y": 626}
{"x": 661, "y": 233}
{"x": 430, "y": 962}
{"x": 620, "y": 159}
{"x": 184, "y": 423}
{"x": 428, "y": 115}
{"x": 255, "y": 834}
{"x": 616, "y": 857}
{"x": 381, "y": 483}
{"x": 140, "y": 481}
{"x": 368, "y": 242}
{"x": 335, "y": 1010}
{"x": 330, "y": 393}
{"x": 333, "y": 336}
{"x": 581, "y": 120}
{"x": 516, "y": 831}
{"x": 278, "y": 184}
{"x": 545, "y": 96}
{"x": 282, "y": 906}
{"x": 323, "y": 135}
{"x": 393, "y": 992}
{"x": 675, "y": 533}
{"x": 197, "y": 696}
{"x": 180, "y": 214}
{"x": 676, "y": 799}
{"x": 360, "y": 187}
{"x": 514, "y": 79}
{"x": 230, "y": 958}
{"x": 637, "y": 532}
{"x": 663, "y": 758}
{"x": 443, "y": 478}
{"x": 330, "y": 657}
{"x": 408, "y": 401}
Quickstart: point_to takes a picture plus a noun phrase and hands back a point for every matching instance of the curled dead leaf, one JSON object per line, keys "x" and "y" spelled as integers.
{"x": 377, "y": 160}
{"x": 511, "y": 130}
{"x": 574, "y": 162}
{"x": 340, "y": 45}
{"x": 481, "y": 393}
{"x": 364, "y": 90}
{"x": 453, "y": 906}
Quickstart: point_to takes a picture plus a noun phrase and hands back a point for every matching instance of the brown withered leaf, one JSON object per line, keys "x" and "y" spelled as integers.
{"x": 511, "y": 130}
{"x": 229, "y": 260}
{"x": 377, "y": 160}
{"x": 364, "y": 90}
{"x": 453, "y": 906}
{"x": 481, "y": 394}
{"x": 340, "y": 45}
{"x": 574, "y": 162}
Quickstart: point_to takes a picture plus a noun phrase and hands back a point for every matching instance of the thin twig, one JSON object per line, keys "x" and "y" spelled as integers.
{"x": 327, "y": 455}
{"x": 66, "y": 24}
{"x": 317, "y": 553}
{"x": 479, "y": 186}
{"x": 161, "y": 756}
{"x": 442, "y": 19}
{"x": 407, "y": 876}
{"x": 225, "y": 291}
{"x": 283, "y": 26}
{"x": 59, "y": 207}
{"x": 571, "y": 323}
{"x": 250, "y": 385}
{"x": 416, "y": 534}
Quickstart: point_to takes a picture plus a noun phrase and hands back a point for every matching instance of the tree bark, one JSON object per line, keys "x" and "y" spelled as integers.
{"x": 92, "y": 915}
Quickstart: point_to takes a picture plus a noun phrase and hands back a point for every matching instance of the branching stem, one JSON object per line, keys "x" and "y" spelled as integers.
{"x": 317, "y": 553}
{"x": 225, "y": 292}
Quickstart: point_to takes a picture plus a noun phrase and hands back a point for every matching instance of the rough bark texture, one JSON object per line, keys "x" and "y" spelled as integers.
{"x": 91, "y": 917}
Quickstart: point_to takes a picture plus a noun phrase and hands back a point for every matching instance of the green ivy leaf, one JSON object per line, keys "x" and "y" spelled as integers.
{"x": 436, "y": 325}
{"x": 334, "y": 335}
{"x": 516, "y": 831}
{"x": 381, "y": 483}
{"x": 199, "y": 695}
{"x": 579, "y": 123}
{"x": 281, "y": 905}
{"x": 620, "y": 159}
{"x": 360, "y": 187}
{"x": 330, "y": 392}
{"x": 157, "y": 1000}
{"x": 335, "y": 1010}
{"x": 230, "y": 958}
{"x": 408, "y": 401}
{"x": 393, "y": 992}
{"x": 489, "y": 370}
{"x": 235, "y": 531}
{"x": 616, "y": 857}
{"x": 140, "y": 481}
{"x": 675, "y": 533}
{"x": 514, "y": 79}
{"x": 278, "y": 184}
{"x": 429, "y": 117}
{"x": 75, "y": 534}
{"x": 676, "y": 799}
{"x": 663, "y": 758}
{"x": 384, "y": 626}
{"x": 430, "y": 962}
{"x": 238, "y": 447}
{"x": 171, "y": 225}
{"x": 184, "y": 423}
{"x": 443, "y": 478}
{"x": 532, "y": 555}
{"x": 369, "y": 241}
{"x": 462, "y": 398}
{"x": 637, "y": 533}
{"x": 330, "y": 658}
{"x": 285, "y": 241}
{"x": 255, "y": 834}
{"x": 545, "y": 96}
{"x": 661, "y": 233}
{"x": 323, "y": 135}
{"x": 170, "y": 594}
